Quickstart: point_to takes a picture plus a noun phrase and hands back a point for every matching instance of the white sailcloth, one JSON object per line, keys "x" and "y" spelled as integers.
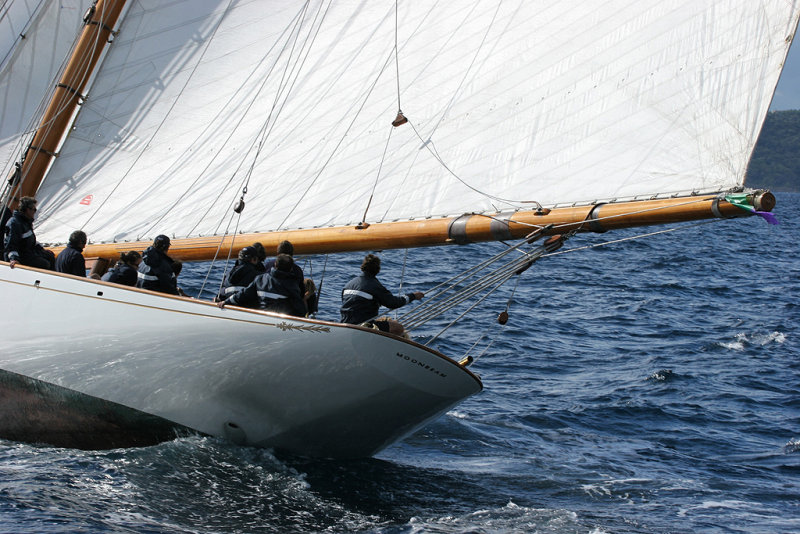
{"x": 508, "y": 102}
{"x": 35, "y": 36}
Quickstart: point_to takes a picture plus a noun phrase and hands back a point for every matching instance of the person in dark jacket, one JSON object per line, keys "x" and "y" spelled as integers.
{"x": 20, "y": 244}
{"x": 126, "y": 269}
{"x": 276, "y": 291}
{"x": 71, "y": 260}
{"x": 242, "y": 273}
{"x": 155, "y": 271}
{"x": 305, "y": 285}
{"x": 363, "y": 296}
{"x": 4, "y": 229}
{"x": 261, "y": 252}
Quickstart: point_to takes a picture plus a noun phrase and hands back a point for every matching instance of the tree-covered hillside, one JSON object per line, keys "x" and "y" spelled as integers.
{"x": 776, "y": 161}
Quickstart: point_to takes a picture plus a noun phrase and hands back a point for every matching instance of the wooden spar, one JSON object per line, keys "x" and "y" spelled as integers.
{"x": 453, "y": 230}
{"x": 65, "y": 101}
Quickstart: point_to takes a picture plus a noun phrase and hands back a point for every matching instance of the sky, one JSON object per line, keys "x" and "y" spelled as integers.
{"x": 787, "y": 95}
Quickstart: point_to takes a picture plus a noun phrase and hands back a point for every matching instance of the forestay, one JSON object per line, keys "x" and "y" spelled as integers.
{"x": 508, "y": 102}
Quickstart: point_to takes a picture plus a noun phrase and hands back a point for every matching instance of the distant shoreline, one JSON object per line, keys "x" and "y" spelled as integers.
{"x": 775, "y": 164}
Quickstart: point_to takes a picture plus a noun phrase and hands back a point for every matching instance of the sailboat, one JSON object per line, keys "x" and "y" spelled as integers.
{"x": 346, "y": 126}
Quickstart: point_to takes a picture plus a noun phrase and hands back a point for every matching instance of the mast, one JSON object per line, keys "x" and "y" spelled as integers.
{"x": 468, "y": 228}
{"x": 98, "y": 23}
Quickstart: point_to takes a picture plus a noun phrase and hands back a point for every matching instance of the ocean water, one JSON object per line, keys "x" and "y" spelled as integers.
{"x": 647, "y": 386}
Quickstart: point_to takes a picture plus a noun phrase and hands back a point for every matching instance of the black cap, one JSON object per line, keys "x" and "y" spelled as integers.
{"x": 161, "y": 242}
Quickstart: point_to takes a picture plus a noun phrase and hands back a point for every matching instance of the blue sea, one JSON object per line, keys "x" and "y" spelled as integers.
{"x": 646, "y": 386}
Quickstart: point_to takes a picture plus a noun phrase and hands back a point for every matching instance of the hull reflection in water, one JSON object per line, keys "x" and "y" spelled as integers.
{"x": 152, "y": 365}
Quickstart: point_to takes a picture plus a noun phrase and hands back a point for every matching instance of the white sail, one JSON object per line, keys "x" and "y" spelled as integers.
{"x": 35, "y": 37}
{"x": 558, "y": 103}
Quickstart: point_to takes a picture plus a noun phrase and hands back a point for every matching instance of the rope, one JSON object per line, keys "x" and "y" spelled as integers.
{"x": 666, "y": 231}
{"x": 402, "y": 277}
{"x": 322, "y": 279}
{"x": 436, "y": 293}
{"x": 380, "y": 166}
{"x": 289, "y": 38}
{"x": 216, "y": 254}
{"x": 396, "y": 56}
{"x": 497, "y": 278}
{"x": 454, "y": 321}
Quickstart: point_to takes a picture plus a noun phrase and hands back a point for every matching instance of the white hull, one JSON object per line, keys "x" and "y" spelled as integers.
{"x": 308, "y": 387}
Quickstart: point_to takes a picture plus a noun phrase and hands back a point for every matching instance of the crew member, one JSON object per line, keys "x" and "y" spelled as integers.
{"x": 363, "y": 296}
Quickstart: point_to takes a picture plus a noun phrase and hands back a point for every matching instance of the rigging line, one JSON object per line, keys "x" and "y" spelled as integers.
{"x": 666, "y": 231}
{"x": 448, "y": 298}
{"x": 265, "y": 133}
{"x": 452, "y": 281}
{"x": 428, "y": 309}
{"x": 454, "y": 321}
{"x": 435, "y": 291}
{"x": 491, "y": 327}
{"x": 165, "y": 115}
{"x": 216, "y": 254}
{"x": 285, "y": 85}
{"x": 268, "y": 126}
{"x": 402, "y": 278}
{"x": 293, "y": 74}
{"x": 322, "y": 279}
{"x": 341, "y": 140}
{"x": 396, "y": 55}
{"x": 61, "y": 103}
{"x": 25, "y": 138}
{"x": 485, "y": 349}
{"x": 435, "y": 154}
{"x": 242, "y": 117}
{"x": 485, "y": 333}
{"x": 297, "y": 24}
{"x": 461, "y": 297}
{"x": 4, "y": 11}
{"x": 502, "y": 273}
{"x": 377, "y": 177}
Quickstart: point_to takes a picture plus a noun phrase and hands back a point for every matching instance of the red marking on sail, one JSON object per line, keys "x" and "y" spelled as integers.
{"x": 87, "y": 200}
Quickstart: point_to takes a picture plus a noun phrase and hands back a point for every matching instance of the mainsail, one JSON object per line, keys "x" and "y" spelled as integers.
{"x": 510, "y": 106}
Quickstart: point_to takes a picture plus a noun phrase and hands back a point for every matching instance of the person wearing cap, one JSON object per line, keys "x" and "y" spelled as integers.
{"x": 243, "y": 272}
{"x": 363, "y": 296}
{"x": 275, "y": 291}
{"x": 155, "y": 270}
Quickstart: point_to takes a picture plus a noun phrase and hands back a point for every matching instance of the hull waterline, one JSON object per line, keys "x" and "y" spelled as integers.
{"x": 308, "y": 387}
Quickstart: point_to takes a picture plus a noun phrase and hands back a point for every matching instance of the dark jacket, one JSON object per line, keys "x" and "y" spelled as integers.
{"x": 121, "y": 273}
{"x": 20, "y": 239}
{"x": 297, "y": 272}
{"x": 275, "y": 291}
{"x": 20, "y": 243}
{"x": 71, "y": 261}
{"x": 363, "y": 296}
{"x": 4, "y": 229}
{"x": 238, "y": 278}
{"x": 155, "y": 272}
